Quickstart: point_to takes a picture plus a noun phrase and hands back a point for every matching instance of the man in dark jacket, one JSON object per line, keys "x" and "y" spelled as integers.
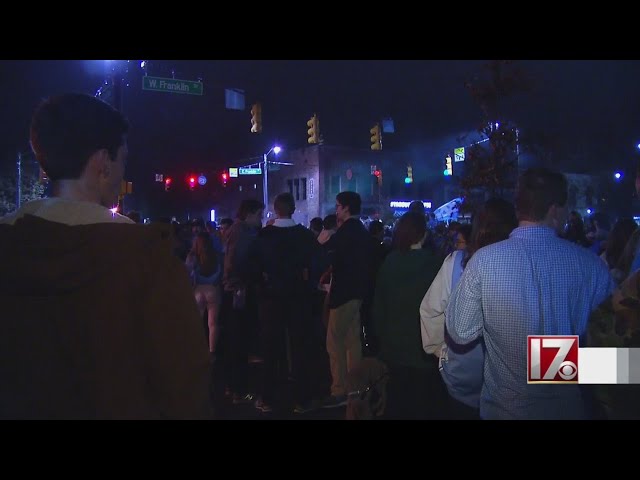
{"x": 238, "y": 299}
{"x": 350, "y": 251}
{"x": 97, "y": 317}
{"x": 284, "y": 258}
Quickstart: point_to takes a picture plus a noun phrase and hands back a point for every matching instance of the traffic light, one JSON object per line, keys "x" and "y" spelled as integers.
{"x": 192, "y": 182}
{"x": 378, "y": 175}
{"x": 167, "y": 184}
{"x": 125, "y": 188}
{"x": 314, "y": 129}
{"x": 376, "y": 137}
{"x": 409, "y": 178}
{"x": 448, "y": 168}
{"x": 256, "y": 118}
{"x": 225, "y": 177}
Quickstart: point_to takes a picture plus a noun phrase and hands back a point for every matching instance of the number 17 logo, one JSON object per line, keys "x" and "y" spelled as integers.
{"x": 552, "y": 359}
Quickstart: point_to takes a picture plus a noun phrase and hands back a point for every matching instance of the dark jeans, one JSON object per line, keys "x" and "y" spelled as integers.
{"x": 236, "y": 345}
{"x": 287, "y": 348}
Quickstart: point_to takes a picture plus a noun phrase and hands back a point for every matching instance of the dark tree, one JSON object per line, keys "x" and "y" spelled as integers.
{"x": 491, "y": 165}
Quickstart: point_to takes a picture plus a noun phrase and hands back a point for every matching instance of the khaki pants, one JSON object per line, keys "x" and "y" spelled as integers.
{"x": 343, "y": 343}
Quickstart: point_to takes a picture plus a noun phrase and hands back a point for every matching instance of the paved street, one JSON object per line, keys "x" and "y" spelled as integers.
{"x": 226, "y": 410}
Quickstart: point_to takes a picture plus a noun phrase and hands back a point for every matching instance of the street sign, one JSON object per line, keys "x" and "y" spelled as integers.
{"x": 458, "y": 154}
{"x": 250, "y": 171}
{"x": 159, "y": 177}
{"x": 233, "y": 172}
{"x": 171, "y": 85}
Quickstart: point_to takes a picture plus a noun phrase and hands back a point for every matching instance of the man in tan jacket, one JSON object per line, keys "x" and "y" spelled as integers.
{"x": 97, "y": 318}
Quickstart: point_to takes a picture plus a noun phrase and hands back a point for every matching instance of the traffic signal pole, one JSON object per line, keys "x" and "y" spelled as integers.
{"x": 265, "y": 182}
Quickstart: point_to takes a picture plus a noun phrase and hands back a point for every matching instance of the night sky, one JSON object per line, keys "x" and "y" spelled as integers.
{"x": 593, "y": 106}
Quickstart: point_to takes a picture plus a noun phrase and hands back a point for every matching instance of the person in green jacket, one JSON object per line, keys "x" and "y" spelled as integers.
{"x": 415, "y": 389}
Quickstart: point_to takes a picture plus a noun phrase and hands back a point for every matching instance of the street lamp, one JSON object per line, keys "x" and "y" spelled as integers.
{"x": 265, "y": 181}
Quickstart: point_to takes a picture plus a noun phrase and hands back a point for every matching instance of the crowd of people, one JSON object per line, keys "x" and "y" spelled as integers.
{"x": 103, "y": 317}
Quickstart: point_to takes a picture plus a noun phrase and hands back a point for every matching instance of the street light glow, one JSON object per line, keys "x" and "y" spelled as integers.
{"x": 277, "y": 149}
{"x": 617, "y": 175}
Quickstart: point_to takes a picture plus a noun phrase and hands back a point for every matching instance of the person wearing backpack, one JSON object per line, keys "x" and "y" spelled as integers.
{"x": 461, "y": 366}
{"x": 205, "y": 268}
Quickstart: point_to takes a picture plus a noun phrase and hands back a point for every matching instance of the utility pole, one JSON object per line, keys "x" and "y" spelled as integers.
{"x": 265, "y": 182}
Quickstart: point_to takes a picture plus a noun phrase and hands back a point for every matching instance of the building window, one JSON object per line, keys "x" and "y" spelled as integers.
{"x": 296, "y": 184}
{"x": 290, "y": 184}
{"x": 335, "y": 184}
{"x": 352, "y": 184}
{"x": 304, "y": 188}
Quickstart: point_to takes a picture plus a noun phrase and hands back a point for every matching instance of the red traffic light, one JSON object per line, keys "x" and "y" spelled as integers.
{"x": 167, "y": 181}
{"x": 224, "y": 177}
{"x": 376, "y": 173}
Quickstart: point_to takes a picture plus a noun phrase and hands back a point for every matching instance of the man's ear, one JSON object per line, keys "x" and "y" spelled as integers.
{"x": 100, "y": 163}
{"x": 554, "y": 214}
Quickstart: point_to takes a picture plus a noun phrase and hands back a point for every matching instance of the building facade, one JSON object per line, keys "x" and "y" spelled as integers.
{"x": 320, "y": 172}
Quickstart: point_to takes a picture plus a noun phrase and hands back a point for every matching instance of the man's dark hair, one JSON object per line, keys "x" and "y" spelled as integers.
{"x": 350, "y": 200}
{"x": 330, "y": 222}
{"x": 226, "y": 221}
{"x": 249, "y": 206}
{"x": 284, "y": 205}
{"x": 410, "y": 229}
{"x": 538, "y": 190}
{"x": 417, "y": 206}
{"x": 67, "y": 129}
{"x": 315, "y": 224}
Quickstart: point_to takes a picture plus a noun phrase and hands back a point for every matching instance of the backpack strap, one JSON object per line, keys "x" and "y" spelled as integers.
{"x": 457, "y": 268}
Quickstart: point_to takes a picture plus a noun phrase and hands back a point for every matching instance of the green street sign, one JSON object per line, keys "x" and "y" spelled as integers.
{"x": 250, "y": 171}
{"x": 172, "y": 85}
